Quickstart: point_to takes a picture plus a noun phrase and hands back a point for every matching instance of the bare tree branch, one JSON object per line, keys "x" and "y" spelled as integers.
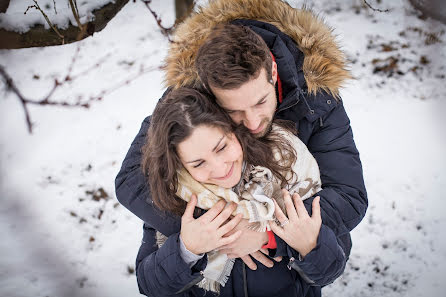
{"x": 167, "y": 31}
{"x": 375, "y": 9}
{"x": 36, "y": 6}
{"x": 68, "y": 78}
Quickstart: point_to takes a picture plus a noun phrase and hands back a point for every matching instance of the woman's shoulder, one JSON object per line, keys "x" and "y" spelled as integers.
{"x": 287, "y": 135}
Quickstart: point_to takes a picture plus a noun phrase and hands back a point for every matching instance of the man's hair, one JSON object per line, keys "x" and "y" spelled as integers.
{"x": 231, "y": 56}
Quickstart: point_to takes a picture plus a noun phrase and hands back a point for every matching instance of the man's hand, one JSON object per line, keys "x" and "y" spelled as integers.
{"x": 247, "y": 245}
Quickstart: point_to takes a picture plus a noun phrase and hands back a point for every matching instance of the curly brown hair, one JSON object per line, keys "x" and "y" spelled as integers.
{"x": 174, "y": 119}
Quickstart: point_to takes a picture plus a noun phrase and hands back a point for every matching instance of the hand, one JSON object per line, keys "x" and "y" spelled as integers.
{"x": 299, "y": 230}
{"x": 248, "y": 245}
{"x": 207, "y": 232}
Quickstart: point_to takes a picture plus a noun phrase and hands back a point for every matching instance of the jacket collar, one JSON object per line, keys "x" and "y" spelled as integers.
{"x": 322, "y": 65}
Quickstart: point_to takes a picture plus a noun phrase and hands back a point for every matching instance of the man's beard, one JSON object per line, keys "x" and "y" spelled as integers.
{"x": 269, "y": 124}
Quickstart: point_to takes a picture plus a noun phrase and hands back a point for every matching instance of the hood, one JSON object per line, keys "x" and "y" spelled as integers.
{"x": 324, "y": 64}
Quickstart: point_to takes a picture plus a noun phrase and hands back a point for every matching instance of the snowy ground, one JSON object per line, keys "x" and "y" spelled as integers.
{"x": 62, "y": 231}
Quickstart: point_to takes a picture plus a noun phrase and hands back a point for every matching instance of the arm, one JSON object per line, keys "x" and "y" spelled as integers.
{"x": 343, "y": 198}
{"x": 168, "y": 270}
{"x": 328, "y": 136}
{"x": 313, "y": 249}
{"x": 133, "y": 192}
{"x": 163, "y": 272}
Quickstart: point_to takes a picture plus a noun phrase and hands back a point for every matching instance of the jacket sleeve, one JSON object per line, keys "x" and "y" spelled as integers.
{"x": 163, "y": 272}
{"x": 323, "y": 264}
{"x": 343, "y": 195}
{"x": 133, "y": 192}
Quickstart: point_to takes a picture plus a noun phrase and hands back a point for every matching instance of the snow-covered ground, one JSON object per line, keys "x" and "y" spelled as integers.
{"x": 62, "y": 232}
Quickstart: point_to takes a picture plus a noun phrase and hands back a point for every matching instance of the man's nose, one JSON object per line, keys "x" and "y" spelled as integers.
{"x": 251, "y": 120}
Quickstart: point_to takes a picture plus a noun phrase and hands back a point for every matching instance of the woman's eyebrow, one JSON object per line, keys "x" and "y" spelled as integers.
{"x": 218, "y": 143}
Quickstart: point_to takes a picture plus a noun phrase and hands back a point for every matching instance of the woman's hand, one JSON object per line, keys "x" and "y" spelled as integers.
{"x": 207, "y": 232}
{"x": 299, "y": 230}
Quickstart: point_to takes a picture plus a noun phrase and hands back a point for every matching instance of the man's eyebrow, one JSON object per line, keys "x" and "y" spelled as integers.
{"x": 218, "y": 143}
{"x": 258, "y": 102}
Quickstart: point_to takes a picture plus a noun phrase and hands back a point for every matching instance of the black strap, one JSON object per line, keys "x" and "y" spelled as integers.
{"x": 245, "y": 282}
{"x": 190, "y": 285}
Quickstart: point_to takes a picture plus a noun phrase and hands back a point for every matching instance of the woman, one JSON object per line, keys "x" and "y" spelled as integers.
{"x": 193, "y": 147}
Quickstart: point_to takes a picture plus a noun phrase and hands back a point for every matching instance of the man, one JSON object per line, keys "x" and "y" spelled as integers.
{"x": 255, "y": 84}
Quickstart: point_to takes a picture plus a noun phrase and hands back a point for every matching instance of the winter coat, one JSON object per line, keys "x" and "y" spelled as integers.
{"x": 311, "y": 69}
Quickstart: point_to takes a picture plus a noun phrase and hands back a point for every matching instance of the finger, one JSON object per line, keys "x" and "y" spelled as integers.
{"x": 278, "y": 259}
{"x": 224, "y": 215}
{"x": 213, "y": 211}
{"x": 291, "y": 211}
{"x": 262, "y": 259}
{"x": 229, "y": 225}
{"x": 316, "y": 208}
{"x": 190, "y": 207}
{"x": 277, "y": 229}
{"x": 300, "y": 207}
{"x": 264, "y": 251}
{"x": 230, "y": 239}
{"x": 278, "y": 212}
{"x": 226, "y": 251}
{"x": 249, "y": 262}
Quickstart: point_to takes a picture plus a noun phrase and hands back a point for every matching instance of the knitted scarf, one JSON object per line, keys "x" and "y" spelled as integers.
{"x": 253, "y": 196}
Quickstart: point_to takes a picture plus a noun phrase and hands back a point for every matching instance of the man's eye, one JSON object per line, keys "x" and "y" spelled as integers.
{"x": 260, "y": 103}
{"x": 222, "y": 148}
{"x": 198, "y": 165}
{"x": 230, "y": 111}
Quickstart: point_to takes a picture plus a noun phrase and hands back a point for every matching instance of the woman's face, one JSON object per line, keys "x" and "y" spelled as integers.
{"x": 212, "y": 157}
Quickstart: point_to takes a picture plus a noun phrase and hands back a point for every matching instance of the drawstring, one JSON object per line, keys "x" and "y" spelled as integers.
{"x": 321, "y": 123}
{"x": 305, "y": 100}
{"x": 245, "y": 282}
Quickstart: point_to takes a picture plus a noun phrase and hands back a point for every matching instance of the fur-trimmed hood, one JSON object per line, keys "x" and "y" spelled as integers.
{"x": 324, "y": 64}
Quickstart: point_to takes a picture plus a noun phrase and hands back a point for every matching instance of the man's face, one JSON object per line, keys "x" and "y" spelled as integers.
{"x": 253, "y": 104}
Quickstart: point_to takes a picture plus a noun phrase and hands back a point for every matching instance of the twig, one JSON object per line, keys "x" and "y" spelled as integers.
{"x": 36, "y": 6}
{"x": 375, "y": 9}
{"x": 73, "y": 61}
{"x": 11, "y": 86}
{"x": 127, "y": 81}
{"x": 54, "y": 5}
{"x": 96, "y": 65}
{"x": 166, "y": 31}
{"x": 76, "y": 14}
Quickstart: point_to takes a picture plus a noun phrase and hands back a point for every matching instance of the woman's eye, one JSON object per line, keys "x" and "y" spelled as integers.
{"x": 198, "y": 165}
{"x": 260, "y": 103}
{"x": 222, "y": 148}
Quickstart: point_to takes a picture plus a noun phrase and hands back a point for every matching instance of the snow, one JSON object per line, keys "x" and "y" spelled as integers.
{"x": 60, "y": 238}
{"x": 58, "y": 11}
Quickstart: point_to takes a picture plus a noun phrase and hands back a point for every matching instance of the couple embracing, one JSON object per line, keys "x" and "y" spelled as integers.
{"x": 233, "y": 202}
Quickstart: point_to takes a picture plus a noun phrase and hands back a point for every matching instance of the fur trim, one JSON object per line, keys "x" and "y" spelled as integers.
{"x": 324, "y": 63}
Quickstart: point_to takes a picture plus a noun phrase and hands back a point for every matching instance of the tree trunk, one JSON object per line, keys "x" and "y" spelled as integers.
{"x": 4, "y": 5}
{"x": 183, "y": 9}
{"x": 38, "y": 36}
{"x": 435, "y": 9}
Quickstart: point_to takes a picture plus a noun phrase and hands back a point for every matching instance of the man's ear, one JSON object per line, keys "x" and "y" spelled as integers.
{"x": 274, "y": 72}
